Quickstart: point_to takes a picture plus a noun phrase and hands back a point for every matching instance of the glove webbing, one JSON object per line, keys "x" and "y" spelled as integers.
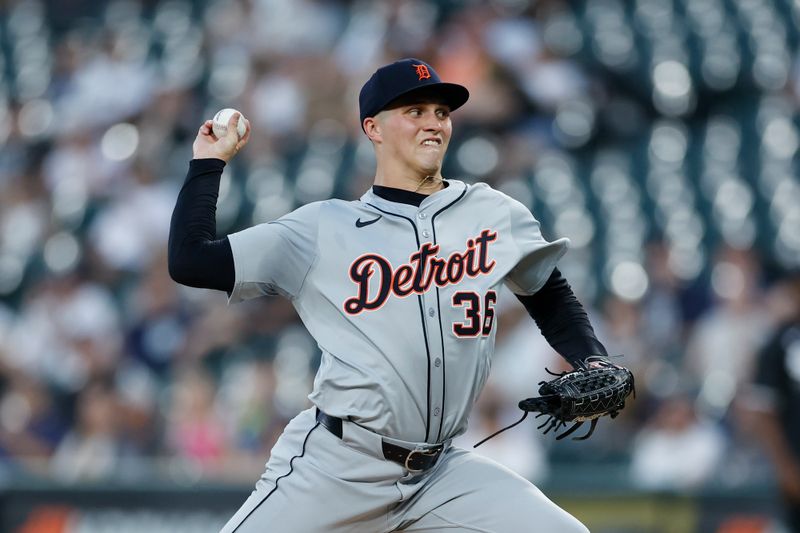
{"x": 555, "y": 422}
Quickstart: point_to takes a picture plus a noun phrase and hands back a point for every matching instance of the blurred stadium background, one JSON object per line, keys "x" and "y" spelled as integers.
{"x": 659, "y": 135}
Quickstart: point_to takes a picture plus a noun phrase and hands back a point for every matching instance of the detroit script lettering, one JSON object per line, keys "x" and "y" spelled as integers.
{"x": 373, "y": 272}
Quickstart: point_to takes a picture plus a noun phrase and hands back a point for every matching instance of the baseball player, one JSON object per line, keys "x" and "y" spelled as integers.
{"x": 399, "y": 289}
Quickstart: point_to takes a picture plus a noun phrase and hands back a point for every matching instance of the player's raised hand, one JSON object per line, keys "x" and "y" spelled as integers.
{"x": 207, "y": 145}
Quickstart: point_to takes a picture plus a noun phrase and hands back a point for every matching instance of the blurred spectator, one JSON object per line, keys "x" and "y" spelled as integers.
{"x": 31, "y": 425}
{"x": 677, "y": 449}
{"x": 158, "y": 323}
{"x": 720, "y": 348}
{"x": 662, "y": 306}
{"x": 76, "y": 166}
{"x": 93, "y": 449}
{"x": 195, "y": 427}
{"x": 247, "y": 395}
{"x": 623, "y": 331}
{"x": 774, "y": 402}
{"x": 277, "y": 100}
{"x": 105, "y": 86}
{"x": 67, "y": 333}
{"x": 130, "y": 231}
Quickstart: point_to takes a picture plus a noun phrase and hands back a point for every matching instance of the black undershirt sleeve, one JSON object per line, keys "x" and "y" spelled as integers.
{"x": 562, "y": 319}
{"x": 196, "y": 257}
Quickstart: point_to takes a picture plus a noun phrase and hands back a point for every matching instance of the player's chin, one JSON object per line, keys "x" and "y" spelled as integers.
{"x": 429, "y": 163}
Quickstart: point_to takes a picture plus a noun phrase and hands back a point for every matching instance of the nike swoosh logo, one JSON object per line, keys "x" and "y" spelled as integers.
{"x": 360, "y": 224}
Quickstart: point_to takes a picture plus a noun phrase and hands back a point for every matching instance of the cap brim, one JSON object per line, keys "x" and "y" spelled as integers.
{"x": 453, "y": 94}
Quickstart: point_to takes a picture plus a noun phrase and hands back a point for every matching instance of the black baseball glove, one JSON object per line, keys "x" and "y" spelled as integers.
{"x": 596, "y": 388}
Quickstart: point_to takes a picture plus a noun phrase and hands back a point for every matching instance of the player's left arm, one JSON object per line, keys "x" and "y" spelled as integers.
{"x": 545, "y": 293}
{"x": 563, "y": 320}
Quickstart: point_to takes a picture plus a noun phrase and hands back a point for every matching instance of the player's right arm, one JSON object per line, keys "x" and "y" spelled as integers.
{"x": 195, "y": 256}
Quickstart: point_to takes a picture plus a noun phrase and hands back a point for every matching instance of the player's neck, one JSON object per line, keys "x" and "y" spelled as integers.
{"x": 410, "y": 181}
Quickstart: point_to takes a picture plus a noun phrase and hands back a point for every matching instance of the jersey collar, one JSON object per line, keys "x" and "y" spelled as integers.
{"x": 434, "y": 201}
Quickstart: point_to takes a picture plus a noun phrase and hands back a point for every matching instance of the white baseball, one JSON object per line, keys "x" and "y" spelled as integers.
{"x": 220, "y": 122}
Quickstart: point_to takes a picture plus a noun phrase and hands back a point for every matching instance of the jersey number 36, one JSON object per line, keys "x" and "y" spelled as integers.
{"x": 478, "y": 318}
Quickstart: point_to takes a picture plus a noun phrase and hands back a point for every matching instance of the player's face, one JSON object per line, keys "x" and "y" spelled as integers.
{"x": 417, "y": 134}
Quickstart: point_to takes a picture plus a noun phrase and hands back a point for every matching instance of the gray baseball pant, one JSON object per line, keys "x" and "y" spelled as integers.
{"x": 317, "y": 482}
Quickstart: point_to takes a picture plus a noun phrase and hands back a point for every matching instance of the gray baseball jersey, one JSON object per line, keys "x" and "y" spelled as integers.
{"x": 401, "y": 301}
{"x": 399, "y": 298}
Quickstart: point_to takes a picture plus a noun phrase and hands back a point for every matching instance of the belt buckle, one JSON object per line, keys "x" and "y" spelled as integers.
{"x": 431, "y": 452}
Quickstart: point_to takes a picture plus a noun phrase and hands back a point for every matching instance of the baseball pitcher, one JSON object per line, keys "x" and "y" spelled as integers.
{"x": 399, "y": 289}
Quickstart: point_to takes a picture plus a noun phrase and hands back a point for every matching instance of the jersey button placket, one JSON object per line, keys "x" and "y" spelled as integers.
{"x": 437, "y": 394}
{"x": 426, "y": 233}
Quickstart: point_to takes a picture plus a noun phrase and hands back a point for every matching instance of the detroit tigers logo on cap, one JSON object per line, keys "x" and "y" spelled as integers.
{"x": 422, "y": 72}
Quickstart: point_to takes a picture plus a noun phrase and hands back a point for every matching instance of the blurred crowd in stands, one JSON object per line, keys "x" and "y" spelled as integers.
{"x": 672, "y": 169}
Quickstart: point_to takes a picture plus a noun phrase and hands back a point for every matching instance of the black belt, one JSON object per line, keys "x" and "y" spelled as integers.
{"x": 417, "y": 460}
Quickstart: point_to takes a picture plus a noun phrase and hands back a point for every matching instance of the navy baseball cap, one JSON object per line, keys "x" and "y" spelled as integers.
{"x": 402, "y": 78}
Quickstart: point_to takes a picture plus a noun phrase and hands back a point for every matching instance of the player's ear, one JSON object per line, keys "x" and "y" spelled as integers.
{"x": 372, "y": 128}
